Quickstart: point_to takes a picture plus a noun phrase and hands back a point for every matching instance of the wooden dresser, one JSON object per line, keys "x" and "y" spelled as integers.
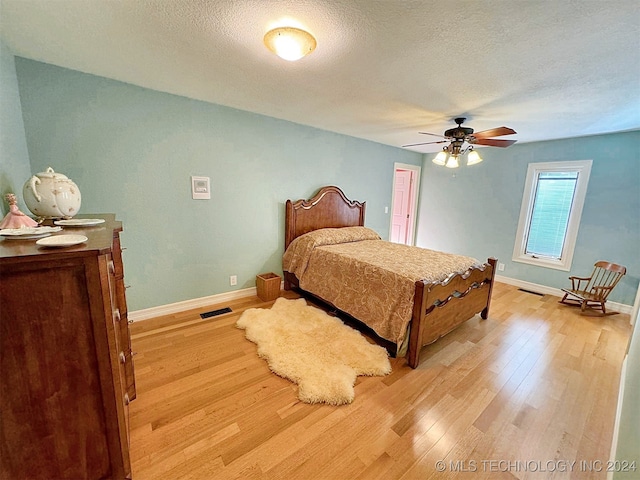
{"x": 65, "y": 358}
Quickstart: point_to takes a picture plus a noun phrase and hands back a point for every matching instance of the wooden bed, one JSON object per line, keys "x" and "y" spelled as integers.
{"x": 438, "y": 307}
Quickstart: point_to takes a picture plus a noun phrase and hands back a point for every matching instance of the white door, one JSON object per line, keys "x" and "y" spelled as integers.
{"x": 401, "y": 204}
{"x": 404, "y": 206}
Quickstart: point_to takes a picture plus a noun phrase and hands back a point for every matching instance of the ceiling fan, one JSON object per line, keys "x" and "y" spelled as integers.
{"x": 460, "y": 136}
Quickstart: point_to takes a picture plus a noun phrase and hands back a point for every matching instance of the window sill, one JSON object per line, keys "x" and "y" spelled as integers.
{"x": 542, "y": 262}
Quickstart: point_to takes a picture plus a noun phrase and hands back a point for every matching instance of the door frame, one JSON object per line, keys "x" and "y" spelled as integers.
{"x": 415, "y": 196}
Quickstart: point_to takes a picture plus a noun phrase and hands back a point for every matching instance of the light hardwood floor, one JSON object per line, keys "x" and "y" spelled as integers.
{"x": 519, "y": 395}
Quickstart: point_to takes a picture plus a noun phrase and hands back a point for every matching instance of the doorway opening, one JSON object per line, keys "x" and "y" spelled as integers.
{"x": 404, "y": 203}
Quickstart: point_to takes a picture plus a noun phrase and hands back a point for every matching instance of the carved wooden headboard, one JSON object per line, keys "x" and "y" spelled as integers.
{"x": 329, "y": 208}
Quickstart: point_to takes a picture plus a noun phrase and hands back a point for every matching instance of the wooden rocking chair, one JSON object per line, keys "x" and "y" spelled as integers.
{"x": 593, "y": 291}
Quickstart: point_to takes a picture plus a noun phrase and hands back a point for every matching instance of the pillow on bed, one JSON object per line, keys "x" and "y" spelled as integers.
{"x": 333, "y": 236}
{"x": 296, "y": 256}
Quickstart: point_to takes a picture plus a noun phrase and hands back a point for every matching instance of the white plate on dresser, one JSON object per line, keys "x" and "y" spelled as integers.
{"x": 79, "y": 222}
{"x": 27, "y": 233}
{"x": 62, "y": 240}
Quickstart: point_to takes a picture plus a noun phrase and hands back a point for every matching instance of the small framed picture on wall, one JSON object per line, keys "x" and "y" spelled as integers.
{"x": 200, "y": 188}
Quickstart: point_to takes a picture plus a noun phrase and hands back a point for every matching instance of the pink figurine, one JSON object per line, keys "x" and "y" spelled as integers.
{"x": 15, "y": 218}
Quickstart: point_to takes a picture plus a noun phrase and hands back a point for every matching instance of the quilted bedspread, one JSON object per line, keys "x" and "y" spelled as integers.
{"x": 371, "y": 279}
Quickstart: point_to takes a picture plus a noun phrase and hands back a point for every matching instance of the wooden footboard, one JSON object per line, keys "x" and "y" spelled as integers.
{"x": 439, "y": 307}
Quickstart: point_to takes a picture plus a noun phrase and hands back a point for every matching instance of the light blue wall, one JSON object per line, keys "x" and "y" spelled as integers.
{"x": 14, "y": 158}
{"x": 132, "y": 151}
{"x": 475, "y": 210}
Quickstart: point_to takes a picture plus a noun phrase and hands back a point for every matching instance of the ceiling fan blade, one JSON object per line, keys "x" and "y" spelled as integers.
{"x": 432, "y": 134}
{"x": 426, "y": 143}
{"x": 495, "y": 132}
{"x": 492, "y": 142}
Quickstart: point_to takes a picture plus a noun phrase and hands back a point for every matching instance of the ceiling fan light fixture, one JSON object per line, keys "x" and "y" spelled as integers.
{"x": 473, "y": 158}
{"x": 290, "y": 43}
{"x": 462, "y": 139}
{"x": 441, "y": 158}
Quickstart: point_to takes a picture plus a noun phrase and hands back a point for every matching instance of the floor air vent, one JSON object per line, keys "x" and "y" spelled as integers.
{"x": 532, "y": 293}
{"x": 214, "y": 313}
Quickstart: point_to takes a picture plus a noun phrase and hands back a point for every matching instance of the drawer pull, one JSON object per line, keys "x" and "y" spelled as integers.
{"x": 126, "y": 399}
{"x": 123, "y": 358}
{"x": 112, "y": 267}
{"x": 116, "y": 314}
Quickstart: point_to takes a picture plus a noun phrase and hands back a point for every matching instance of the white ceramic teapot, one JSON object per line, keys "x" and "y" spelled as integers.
{"x": 51, "y": 195}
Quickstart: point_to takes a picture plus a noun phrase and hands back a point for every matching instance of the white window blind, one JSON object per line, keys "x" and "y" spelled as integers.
{"x": 550, "y": 215}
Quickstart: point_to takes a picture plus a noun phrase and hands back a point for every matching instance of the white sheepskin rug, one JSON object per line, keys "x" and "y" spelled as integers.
{"x": 318, "y": 352}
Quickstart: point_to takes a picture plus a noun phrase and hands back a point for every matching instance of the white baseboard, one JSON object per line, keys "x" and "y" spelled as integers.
{"x": 147, "y": 313}
{"x": 556, "y": 292}
{"x": 201, "y": 302}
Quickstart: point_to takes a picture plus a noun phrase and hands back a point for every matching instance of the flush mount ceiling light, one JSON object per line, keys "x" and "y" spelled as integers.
{"x": 290, "y": 43}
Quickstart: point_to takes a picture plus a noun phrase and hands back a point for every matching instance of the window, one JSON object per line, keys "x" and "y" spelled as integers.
{"x": 550, "y": 214}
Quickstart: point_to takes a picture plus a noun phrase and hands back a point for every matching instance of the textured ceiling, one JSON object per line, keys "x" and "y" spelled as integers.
{"x": 383, "y": 69}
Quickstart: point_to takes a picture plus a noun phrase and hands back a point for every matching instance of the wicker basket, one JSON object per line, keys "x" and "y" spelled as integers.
{"x": 268, "y": 286}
